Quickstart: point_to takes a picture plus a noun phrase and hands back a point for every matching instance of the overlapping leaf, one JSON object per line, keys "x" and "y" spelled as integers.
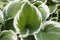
{"x": 11, "y": 9}
{"x": 44, "y": 11}
{"x": 50, "y": 31}
{"x": 27, "y": 19}
{"x": 8, "y": 35}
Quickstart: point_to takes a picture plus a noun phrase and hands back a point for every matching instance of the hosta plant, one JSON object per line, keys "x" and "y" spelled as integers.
{"x": 30, "y": 20}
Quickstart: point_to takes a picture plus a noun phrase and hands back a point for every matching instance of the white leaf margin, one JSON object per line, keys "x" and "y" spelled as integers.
{"x": 46, "y": 8}
{"x": 7, "y": 6}
{"x": 17, "y": 16}
{"x": 15, "y": 22}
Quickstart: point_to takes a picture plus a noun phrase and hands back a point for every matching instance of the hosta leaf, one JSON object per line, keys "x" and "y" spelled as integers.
{"x": 44, "y": 11}
{"x": 50, "y": 31}
{"x": 8, "y": 35}
{"x": 8, "y": 25}
{"x": 11, "y": 9}
{"x": 27, "y": 19}
{"x": 30, "y": 37}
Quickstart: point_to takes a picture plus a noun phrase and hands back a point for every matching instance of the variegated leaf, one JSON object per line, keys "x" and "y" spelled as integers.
{"x": 12, "y": 9}
{"x": 28, "y": 19}
{"x": 44, "y": 11}
{"x": 8, "y": 35}
{"x": 50, "y": 31}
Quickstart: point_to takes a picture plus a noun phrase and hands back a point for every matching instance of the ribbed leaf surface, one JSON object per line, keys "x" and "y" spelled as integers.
{"x": 50, "y": 31}
{"x": 27, "y": 19}
{"x": 11, "y": 9}
{"x": 8, "y": 35}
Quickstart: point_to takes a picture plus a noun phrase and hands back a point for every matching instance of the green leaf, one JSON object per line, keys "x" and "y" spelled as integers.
{"x": 12, "y": 9}
{"x": 30, "y": 37}
{"x": 8, "y": 25}
{"x": 50, "y": 31}
{"x": 44, "y": 11}
{"x": 8, "y": 35}
{"x": 28, "y": 19}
